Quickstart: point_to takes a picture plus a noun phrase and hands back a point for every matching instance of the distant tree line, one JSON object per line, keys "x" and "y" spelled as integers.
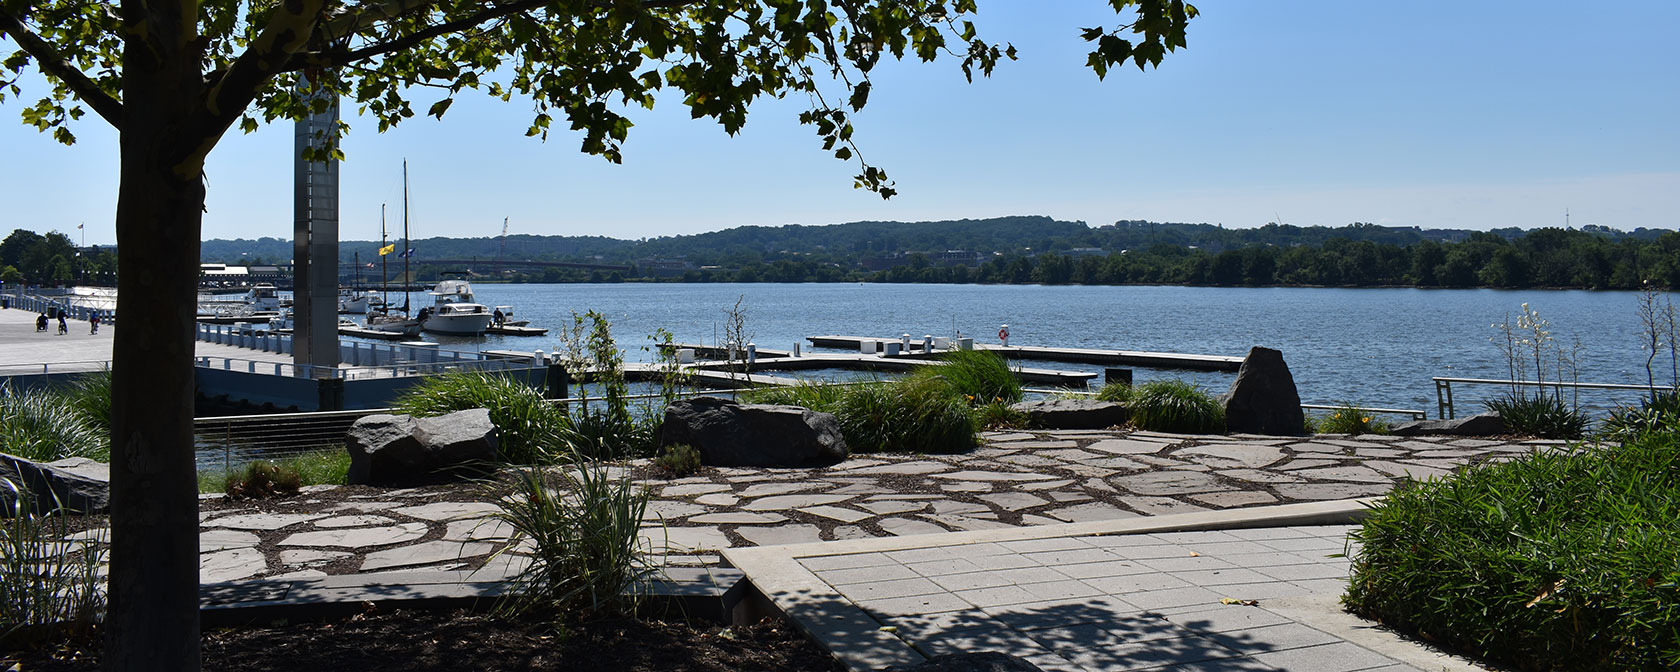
{"x": 52, "y": 259}
{"x": 1018, "y": 250}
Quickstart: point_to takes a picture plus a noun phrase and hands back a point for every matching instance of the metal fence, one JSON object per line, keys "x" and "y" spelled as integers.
{"x": 1444, "y": 393}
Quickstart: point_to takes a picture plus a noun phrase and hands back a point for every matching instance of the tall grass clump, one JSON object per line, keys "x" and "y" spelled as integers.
{"x": 528, "y": 426}
{"x": 604, "y": 427}
{"x": 1559, "y": 561}
{"x": 90, "y": 393}
{"x": 1176, "y": 406}
{"x": 1115, "y": 392}
{"x": 914, "y": 415}
{"x": 819, "y": 397}
{"x": 48, "y": 586}
{"x": 42, "y": 425}
{"x": 979, "y": 375}
{"x": 583, "y": 528}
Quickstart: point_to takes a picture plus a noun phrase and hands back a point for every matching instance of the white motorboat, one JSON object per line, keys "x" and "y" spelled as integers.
{"x": 263, "y": 298}
{"x": 453, "y": 311}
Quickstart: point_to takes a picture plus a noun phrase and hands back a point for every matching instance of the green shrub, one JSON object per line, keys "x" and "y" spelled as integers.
{"x": 678, "y": 460}
{"x": 981, "y": 376}
{"x": 1176, "y": 406}
{"x": 528, "y": 426}
{"x": 1560, "y": 561}
{"x": 1541, "y": 415}
{"x": 262, "y": 480}
{"x": 1659, "y": 413}
{"x": 915, "y": 415}
{"x": 1349, "y": 420}
{"x": 44, "y": 426}
{"x": 1116, "y": 392}
{"x": 998, "y": 415}
{"x": 583, "y": 526}
{"x": 47, "y": 586}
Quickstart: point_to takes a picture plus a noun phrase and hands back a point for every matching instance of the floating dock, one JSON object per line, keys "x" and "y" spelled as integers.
{"x": 879, "y": 363}
{"x": 1150, "y": 360}
{"x": 510, "y": 330}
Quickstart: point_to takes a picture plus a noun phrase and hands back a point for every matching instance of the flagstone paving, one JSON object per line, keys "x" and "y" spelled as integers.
{"x": 1019, "y": 478}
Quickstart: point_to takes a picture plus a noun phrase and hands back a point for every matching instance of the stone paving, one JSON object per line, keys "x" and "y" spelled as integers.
{"x": 1236, "y": 599}
{"x": 1026, "y": 478}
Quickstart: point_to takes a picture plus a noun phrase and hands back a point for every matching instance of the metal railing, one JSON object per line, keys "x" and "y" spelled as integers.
{"x": 81, "y": 366}
{"x": 1415, "y": 413}
{"x": 1444, "y": 395}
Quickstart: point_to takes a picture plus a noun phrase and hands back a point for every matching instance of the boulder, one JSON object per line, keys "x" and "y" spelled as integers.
{"x": 1484, "y": 424}
{"x": 1263, "y": 400}
{"x": 76, "y": 484}
{"x": 980, "y": 661}
{"x": 1072, "y": 413}
{"x": 729, "y": 434}
{"x": 402, "y": 450}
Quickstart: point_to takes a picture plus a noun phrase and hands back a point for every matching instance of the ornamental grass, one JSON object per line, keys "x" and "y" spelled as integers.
{"x": 1552, "y": 561}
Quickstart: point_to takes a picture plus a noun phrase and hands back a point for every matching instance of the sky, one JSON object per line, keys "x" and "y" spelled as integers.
{"x": 1435, "y": 114}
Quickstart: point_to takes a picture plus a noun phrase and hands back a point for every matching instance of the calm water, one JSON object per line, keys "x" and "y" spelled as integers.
{"x": 1368, "y": 346}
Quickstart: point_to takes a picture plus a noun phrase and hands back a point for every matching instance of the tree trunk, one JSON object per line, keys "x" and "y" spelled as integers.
{"x": 152, "y": 618}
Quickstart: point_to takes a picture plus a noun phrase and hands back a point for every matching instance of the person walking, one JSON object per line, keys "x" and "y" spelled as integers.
{"x": 93, "y": 325}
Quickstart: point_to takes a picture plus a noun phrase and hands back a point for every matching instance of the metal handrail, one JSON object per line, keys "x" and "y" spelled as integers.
{"x": 1417, "y": 414}
{"x": 1444, "y": 397}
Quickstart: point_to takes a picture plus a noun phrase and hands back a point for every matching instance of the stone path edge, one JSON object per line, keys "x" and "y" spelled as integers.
{"x": 787, "y": 587}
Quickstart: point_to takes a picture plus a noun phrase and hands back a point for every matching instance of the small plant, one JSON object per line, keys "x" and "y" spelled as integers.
{"x": 1661, "y": 413}
{"x": 1350, "y": 420}
{"x": 44, "y": 426}
{"x": 1176, "y": 406}
{"x": 678, "y": 460}
{"x": 527, "y": 425}
{"x": 583, "y": 526}
{"x": 1115, "y": 392}
{"x": 262, "y": 480}
{"x": 326, "y": 467}
{"x": 1542, "y": 415}
{"x": 48, "y": 586}
{"x": 90, "y": 393}
{"x": 981, "y": 375}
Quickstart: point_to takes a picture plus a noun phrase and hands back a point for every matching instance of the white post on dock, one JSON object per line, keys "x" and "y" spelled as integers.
{"x": 796, "y": 348}
{"x": 927, "y": 344}
{"x": 1003, "y": 335}
{"x": 904, "y": 343}
{"x": 752, "y": 353}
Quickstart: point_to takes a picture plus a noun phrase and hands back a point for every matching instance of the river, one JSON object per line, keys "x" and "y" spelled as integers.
{"x": 1373, "y": 347}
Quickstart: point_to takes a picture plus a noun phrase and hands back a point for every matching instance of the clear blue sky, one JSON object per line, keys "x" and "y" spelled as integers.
{"x": 1436, "y": 114}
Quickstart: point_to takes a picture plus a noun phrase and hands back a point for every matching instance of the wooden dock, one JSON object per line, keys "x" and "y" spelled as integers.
{"x": 509, "y": 330}
{"x": 1149, "y": 360}
{"x": 879, "y": 363}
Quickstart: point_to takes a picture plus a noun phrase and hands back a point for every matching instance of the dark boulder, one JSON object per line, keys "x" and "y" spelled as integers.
{"x": 1263, "y": 400}
{"x": 75, "y": 484}
{"x": 402, "y": 450}
{"x": 1484, "y": 424}
{"x": 980, "y": 661}
{"x": 728, "y": 434}
{"x": 1072, "y": 413}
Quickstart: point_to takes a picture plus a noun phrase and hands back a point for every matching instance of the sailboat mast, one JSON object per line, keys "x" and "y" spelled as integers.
{"x": 384, "y": 266}
{"x": 405, "y": 254}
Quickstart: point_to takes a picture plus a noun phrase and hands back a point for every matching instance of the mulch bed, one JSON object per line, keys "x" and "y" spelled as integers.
{"x": 401, "y": 640}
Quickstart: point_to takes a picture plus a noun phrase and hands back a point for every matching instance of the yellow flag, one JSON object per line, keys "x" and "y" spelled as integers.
{"x": 387, "y": 249}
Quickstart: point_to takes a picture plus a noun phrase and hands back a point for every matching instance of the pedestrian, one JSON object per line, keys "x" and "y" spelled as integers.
{"x": 93, "y": 324}
{"x": 498, "y": 317}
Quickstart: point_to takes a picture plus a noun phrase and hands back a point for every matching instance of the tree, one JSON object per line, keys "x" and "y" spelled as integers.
{"x": 174, "y": 75}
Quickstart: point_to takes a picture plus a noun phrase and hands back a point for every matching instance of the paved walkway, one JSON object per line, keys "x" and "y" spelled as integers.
{"x": 1259, "y": 594}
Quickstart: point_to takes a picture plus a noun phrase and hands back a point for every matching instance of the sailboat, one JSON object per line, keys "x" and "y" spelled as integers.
{"x": 388, "y": 319}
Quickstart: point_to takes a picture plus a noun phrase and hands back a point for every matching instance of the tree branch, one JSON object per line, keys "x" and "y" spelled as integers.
{"x": 53, "y": 63}
{"x": 288, "y": 32}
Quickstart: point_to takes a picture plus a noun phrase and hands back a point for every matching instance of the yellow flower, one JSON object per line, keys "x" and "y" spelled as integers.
{"x": 1364, "y": 419}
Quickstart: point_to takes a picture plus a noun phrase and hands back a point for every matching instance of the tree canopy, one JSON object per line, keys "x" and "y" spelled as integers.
{"x": 174, "y": 75}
